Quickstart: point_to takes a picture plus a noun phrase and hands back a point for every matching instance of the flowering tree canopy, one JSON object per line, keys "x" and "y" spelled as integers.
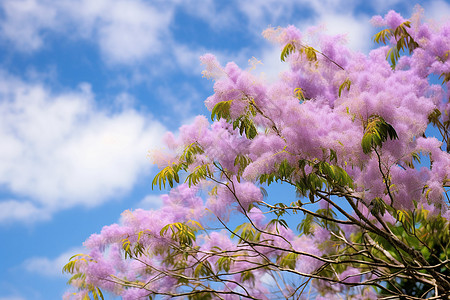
{"x": 363, "y": 140}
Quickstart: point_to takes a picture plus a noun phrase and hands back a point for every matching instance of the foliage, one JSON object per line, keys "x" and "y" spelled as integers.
{"x": 346, "y": 132}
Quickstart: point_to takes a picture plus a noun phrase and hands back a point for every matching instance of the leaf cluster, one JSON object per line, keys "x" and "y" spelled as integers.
{"x": 309, "y": 52}
{"x": 73, "y": 267}
{"x": 402, "y": 38}
{"x": 376, "y": 132}
{"x": 244, "y": 122}
{"x": 182, "y": 233}
{"x": 323, "y": 174}
{"x": 170, "y": 174}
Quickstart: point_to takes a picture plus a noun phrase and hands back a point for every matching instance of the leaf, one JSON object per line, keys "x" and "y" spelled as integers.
{"x": 445, "y": 77}
{"x": 377, "y": 206}
{"x": 305, "y": 225}
{"x": 198, "y": 174}
{"x": 224, "y": 263}
{"x": 246, "y": 233}
{"x": 278, "y": 221}
{"x": 299, "y": 94}
{"x": 196, "y": 223}
{"x": 393, "y": 54}
{"x": 287, "y": 50}
{"x": 247, "y": 276}
{"x": 414, "y": 157}
{"x": 126, "y": 246}
{"x": 434, "y": 116}
{"x": 72, "y": 265}
{"x": 200, "y": 296}
{"x": 403, "y": 41}
{"x": 310, "y": 53}
{"x": 190, "y": 152}
{"x": 289, "y": 261}
{"x": 346, "y": 84}
{"x": 245, "y": 126}
{"x": 203, "y": 268}
{"x": 181, "y": 233}
{"x": 376, "y": 133}
{"x": 221, "y": 110}
{"x": 168, "y": 174}
{"x": 383, "y": 36}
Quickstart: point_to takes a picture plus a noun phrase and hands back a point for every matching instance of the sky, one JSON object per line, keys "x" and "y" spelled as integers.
{"x": 89, "y": 87}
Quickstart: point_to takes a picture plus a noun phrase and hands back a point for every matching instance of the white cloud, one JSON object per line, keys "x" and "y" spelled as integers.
{"x": 127, "y": 31}
{"x": 25, "y": 20}
{"x": 60, "y": 151}
{"x": 271, "y": 65}
{"x": 26, "y": 211}
{"x": 357, "y": 29}
{"x": 337, "y": 17}
{"x": 383, "y": 6}
{"x": 150, "y": 202}
{"x": 261, "y": 14}
{"x": 217, "y": 14}
{"x": 188, "y": 58}
{"x": 438, "y": 10}
{"x": 49, "y": 267}
{"x": 130, "y": 31}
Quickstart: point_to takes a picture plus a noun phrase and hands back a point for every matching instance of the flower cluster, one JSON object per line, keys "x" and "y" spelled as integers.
{"x": 362, "y": 139}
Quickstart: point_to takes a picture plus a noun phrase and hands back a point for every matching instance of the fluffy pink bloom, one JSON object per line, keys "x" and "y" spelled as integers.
{"x": 329, "y": 119}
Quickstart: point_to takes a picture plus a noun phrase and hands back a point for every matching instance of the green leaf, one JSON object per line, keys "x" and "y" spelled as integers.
{"x": 203, "y": 268}
{"x": 305, "y": 225}
{"x": 278, "y": 221}
{"x": 181, "y": 233}
{"x": 403, "y": 41}
{"x": 221, "y": 110}
{"x": 287, "y": 50}
{"x": 247, "y": 233}
{"x": 346, "y": 84}
{"x": 126, "y": 245}
{"x": 224, "y": 263}
{"x": 289, "y": 261}
{"x": 445, "y": 77}
{"x": 376, "y": 132}
{"x": 310, "y": 53}
{"x": 245, "y": 126}
{"x": 168, "y": 174}
{"x": 190, "y": 152}
{"x": 383, "y": 36}
{"x": 200, "y": 173}
{"x": 299, "y": 94}
{"x": 247, "y": 276}
{"x": 378, "y": 206}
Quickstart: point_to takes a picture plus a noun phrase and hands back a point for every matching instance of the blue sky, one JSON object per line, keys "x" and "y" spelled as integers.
{"x": 88, "y": 87}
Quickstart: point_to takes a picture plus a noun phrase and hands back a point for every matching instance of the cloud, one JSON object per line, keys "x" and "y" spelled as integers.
{"x": 219, "y": 15}
{"x": 271, "y": 65}
{"x": 261, "y": 14}
{"x": 13, "y": 210}
{"x": 437, "y": 10}
{"x": 49, "y": 267}
{"x": 126, "y": 31}
{"x": 25, "y": 21}
{"x": 59, "y": 150}
{"x": 357, "y": 29}
{"x": 336, "y": 16}
{"x": 150, "y": 202}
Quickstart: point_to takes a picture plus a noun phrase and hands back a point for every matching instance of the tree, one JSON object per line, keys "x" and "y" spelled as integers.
{"x": 351, "y": 134}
